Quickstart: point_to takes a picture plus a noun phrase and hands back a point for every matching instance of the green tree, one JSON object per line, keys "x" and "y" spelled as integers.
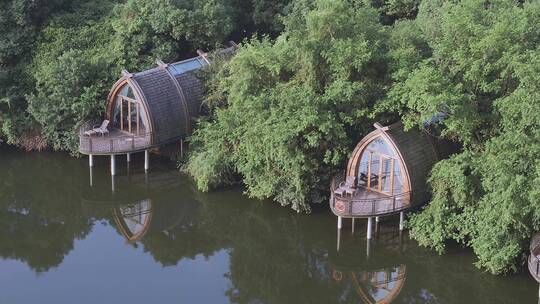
{"x": 294, "y": 105}
{"x": 481, "y": 70}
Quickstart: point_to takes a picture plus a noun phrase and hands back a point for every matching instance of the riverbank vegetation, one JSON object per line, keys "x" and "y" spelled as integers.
{"x": 308, "y": 81}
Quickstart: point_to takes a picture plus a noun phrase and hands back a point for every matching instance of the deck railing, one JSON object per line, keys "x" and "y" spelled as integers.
{"x": 112, "y": 142}
{"x": 534, "y": 261}
{"x": 345, "y": 205}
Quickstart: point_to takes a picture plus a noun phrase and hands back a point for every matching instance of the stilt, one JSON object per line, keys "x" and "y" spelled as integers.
{"x": 376, "y": 219}
{"x": 400, "y": 241}
{"x": 352, "y": 229}
{"x": 113, "y": 188}
{"x": 401, "y": 220}
{"x": 128, "y": 157}
{"x": 369, "y": 227}
{"x": 146, "y": 180}
{"x": 113, "y": 165}
{"x": 339, "y": 222}
{"x": 338, "y": 238}
{"x": 146, "y": 160}
{"x": 368, "y": 248}
{"x": 182, "y": 148}
{"x": 91, "y": 176}
{"x": 90, "y": 160}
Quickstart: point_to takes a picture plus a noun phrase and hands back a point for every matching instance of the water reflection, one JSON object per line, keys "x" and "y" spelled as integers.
{"x": 375, "y": 286}
{"x": 218, "y": 248}
{"x": 133, "y": 220}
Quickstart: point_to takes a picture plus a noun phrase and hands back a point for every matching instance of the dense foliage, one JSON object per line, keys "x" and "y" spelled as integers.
{"x": 309, "y": 80}
{"x": 59, "y": 58}
{"x": 484, "y": 73}
{"x": 294, "y": 105}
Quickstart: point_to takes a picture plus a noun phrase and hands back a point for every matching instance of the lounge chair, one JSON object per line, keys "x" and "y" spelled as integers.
{"x": 99, "y": 129}
{"x": 348, "y": 187}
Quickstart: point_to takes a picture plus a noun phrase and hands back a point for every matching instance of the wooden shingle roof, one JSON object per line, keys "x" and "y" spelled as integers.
{"x": 419, "y": 153}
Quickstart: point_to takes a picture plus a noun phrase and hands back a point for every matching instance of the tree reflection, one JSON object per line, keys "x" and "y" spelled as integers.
{"x": 40, "y": 210}
{"x": 275, "y": 256}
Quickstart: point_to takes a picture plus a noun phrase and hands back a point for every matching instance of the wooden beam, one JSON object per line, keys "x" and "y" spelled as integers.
{"x": 121, "y": 113}
{"x": 203, "y": 55}
{"x": 129, "y": 117}
{"x": 379, "y": 186}
{"x": 392, "y": 176}
{"x": 380, "y": 127}
{"x": 127, "y": 74}
{"x": 161, "y": 64}
{"x": 128, "y": 98}
{"x": 369, "y": 170}
{"x": 138, "y": 117}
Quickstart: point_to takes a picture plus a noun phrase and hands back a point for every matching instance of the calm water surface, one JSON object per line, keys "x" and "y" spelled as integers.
{"x": 155, "y": 239}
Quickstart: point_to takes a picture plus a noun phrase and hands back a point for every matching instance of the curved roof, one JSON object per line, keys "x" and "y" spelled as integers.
{"x": 416, "y": 150}
{"x": 171, "y": 95}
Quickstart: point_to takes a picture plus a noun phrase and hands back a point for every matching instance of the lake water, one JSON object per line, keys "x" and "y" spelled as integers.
{"x": 156, "y": 239}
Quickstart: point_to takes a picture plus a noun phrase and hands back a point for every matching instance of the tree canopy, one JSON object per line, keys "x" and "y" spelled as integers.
{"x": 293, "y": 105}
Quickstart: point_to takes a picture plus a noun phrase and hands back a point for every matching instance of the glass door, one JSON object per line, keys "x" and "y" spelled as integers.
{"x": 381, "y": 170}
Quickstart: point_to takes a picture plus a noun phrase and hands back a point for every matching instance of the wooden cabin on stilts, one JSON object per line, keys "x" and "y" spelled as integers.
{"x": 386, "y": 175}
{"x": 148, "y": 109}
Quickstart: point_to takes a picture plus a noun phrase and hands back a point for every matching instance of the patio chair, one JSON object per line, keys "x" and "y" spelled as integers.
{"x": 101, "y": 129}
{"x": 348, "y": 187}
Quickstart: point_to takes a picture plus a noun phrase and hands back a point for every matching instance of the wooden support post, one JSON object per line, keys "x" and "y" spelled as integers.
{"x": 90, "y": 160}
{"x": 146, "y": 160}
{"x": 338, "y": 238}
{"x": 128, "y": 157}
{"x": 339, "y": 222}
{"x": 112, "y": 184}
{"x": 122, "y": 114}
{"x": 377, "y": 219}
{"x": 401, "y": 220}
{"x": 129, "y": 116}
{"x": 91, "y": 176}
{"x": 369, "y": 227}
{"x": 138, "y": 117}
{"x": 352, "y": 228}
{"x": 113, "y": 165}
{"x": 182, "y": 148}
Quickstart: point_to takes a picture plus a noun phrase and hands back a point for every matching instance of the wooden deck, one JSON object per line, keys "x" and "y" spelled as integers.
{"x": 117, "y": 141}
{"x": 534, "y": 258}
{"x": 367, "y": 203}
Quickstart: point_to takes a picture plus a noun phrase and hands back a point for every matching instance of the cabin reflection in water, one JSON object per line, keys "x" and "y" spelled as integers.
{"x": 133, "y": 220}
{"x": 377, "y": 279}
{"x": 373, "y": 286}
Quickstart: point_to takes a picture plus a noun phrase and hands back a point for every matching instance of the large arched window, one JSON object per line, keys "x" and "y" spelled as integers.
{"x": 380, "y": 168}
{"x": 129, "y": 114}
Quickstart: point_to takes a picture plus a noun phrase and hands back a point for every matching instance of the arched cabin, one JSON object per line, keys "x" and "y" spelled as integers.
{"x": 149, "y": 108}
{"x": 387, "y": 173}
